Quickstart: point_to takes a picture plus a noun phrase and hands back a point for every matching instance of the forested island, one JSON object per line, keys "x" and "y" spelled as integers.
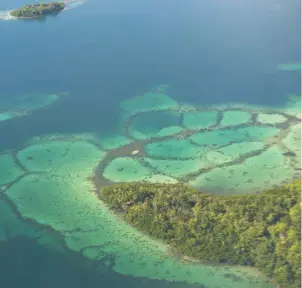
{"x": 37, "y": 10}
{"x": 261, "y": 230}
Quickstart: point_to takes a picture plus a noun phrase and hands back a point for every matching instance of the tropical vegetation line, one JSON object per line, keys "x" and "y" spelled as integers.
{"x": 36, "y": 10}
{"x": 261, "y": 230}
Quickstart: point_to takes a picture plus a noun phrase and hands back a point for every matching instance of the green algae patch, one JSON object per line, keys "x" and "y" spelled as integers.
{"x": 148, "y": 125}
{"x": 224, "y": 137}
{"x": 151, "y": 101}
{"x": 10, "y": 171}
{"x": 125, "y": 169}
{"x": 175, "y": 168}
{"x": 199, "y": 119}
{"x": 255, "y": 174}
{"x": 114, "y": 142}
{"x": 58, "y": 156}
{"x": 271, "y": 118}
{"x": 178, "y": 149}
{"x": 230, "y": 118}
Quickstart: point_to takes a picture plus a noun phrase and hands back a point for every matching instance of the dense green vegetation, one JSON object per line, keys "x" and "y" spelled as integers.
{"x": 37, "y": 10}
{"x": 260, "y": 230}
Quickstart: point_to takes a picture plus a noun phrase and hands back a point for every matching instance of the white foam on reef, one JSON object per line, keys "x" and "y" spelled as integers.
{"x": 5, "y": 15}
{"x": 71, "y": 4}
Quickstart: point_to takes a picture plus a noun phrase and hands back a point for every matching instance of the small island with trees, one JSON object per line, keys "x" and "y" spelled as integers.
{"x": 261, "y": 230}
{"x": 38, "y": 10}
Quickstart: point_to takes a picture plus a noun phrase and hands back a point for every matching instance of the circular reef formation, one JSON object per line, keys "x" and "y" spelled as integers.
{"x": 223, "y": 149}
{"x": 50, "y": 183}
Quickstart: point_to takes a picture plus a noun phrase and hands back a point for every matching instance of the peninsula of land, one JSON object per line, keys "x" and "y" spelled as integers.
{"x": 260, "y": 230}
{"x": 38, "y": 10}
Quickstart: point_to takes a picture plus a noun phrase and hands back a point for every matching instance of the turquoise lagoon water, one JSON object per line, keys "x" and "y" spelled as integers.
{"x": 201, "y": 92}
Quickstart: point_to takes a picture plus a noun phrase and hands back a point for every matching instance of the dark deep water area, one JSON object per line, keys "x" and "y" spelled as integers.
{"x": 25, "y": 264}
{"x": 106, "y": 51}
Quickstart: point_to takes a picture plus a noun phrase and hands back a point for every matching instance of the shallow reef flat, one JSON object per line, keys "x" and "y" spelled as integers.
{"x": 126, "y": 169}
{"x": 231, "y": 118}
{"x": 225, "y": 137}
{"x": 173, "y": 148}
{"x": 268, "y": 169}
{"x": 199, "y": 119}
{"x": 174, "y": 168}
{"x": 53, "y": 180}
{"x": 57, "y": 155}
{"x": 64, "y": 200}
{"x": 271, "y": 118}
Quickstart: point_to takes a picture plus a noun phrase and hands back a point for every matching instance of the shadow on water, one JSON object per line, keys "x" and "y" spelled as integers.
{"x": 24, "y": 263}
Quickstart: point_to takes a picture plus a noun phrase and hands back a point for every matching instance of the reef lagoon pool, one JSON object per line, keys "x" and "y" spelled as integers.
{"x": 205, "y": 93}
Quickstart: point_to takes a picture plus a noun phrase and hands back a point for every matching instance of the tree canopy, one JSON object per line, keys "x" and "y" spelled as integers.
{"x": 260, "y": 230}
{"x": 36, "y": 10}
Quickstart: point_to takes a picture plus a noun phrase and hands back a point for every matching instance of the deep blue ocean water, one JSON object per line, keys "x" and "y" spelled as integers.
{"x": 106, "y": 51}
